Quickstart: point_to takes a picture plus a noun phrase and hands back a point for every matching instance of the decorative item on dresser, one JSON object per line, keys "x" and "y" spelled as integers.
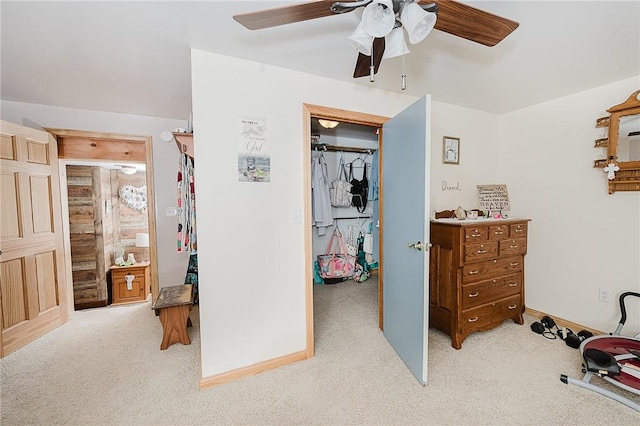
{"x": 476, "y": 277}
{"x": 130, "y": 283}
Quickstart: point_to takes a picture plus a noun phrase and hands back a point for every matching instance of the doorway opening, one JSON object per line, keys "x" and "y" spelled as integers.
{"x": 109, "y": 155}
{"x": 108, "y": 226}
{"x": 313, "y": 243}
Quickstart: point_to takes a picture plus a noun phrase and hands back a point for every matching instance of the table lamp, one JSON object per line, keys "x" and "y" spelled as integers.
{"x": 142, "y": 240}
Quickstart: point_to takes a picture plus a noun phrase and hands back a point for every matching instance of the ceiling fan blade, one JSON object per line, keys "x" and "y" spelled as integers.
{"x": 285, "y": 15}
{"x": 473, "y": 24}
{"x": 363, "y": 63}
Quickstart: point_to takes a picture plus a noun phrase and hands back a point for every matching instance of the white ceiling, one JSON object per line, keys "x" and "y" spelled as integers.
{"x": 134, "y": 57}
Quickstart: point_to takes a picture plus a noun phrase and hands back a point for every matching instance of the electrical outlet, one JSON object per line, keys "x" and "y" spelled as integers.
{"x": 603, "y": 295}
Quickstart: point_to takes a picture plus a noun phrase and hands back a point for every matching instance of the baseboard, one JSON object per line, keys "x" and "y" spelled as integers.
{"x": 90, "y": 305}
{"x": 575, "y": 327}
{"x": 218, "y": 379}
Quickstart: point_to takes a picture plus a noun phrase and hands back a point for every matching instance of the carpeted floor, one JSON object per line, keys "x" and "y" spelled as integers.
{"x": 105, "y": 367}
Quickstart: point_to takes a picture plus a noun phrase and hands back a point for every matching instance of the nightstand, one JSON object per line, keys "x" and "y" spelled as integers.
{"x": 131, "y": 283}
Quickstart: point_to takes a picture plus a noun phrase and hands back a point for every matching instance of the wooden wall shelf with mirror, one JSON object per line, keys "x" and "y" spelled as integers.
{"x": 623, "y": 144}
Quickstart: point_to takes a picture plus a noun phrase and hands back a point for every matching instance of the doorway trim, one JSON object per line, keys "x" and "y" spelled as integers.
{"x": 88, "y": 144}
{"x": 316, "y": 111}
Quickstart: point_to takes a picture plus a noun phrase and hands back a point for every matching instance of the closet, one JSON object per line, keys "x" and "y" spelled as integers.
{"x": 357, "y": 147}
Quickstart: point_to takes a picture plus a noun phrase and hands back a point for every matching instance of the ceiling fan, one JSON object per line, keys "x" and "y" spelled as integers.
{"x": 380, "y": 35}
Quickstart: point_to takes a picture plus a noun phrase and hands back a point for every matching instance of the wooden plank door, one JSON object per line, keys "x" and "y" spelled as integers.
{"x": 33, "y": 299}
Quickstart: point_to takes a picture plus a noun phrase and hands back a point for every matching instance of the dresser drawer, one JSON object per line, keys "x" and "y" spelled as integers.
{"x": 513, "y": 246}
{"x": 494, "y": 268}
{"x": 498, "y": 232}
{"x": 518, "y": 230}
{"x": 119, "y": 275}
{"x": 487, "y": 291}
{"x": 491, "y": 313}
{"x": 472, "y": 235}
{"x": 480, "y": 251}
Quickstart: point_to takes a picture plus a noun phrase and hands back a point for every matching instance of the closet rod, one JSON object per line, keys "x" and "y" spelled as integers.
{"x": 344, "y": 148}
{"x": 352, "y": 217}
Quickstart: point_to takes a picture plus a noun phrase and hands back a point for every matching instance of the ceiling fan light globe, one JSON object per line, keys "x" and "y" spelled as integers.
{"x": 395, "y": 44}
{"x": 378, "y": 18}
{"x": 361, "y": 40}
{"x": 328, "y": 124}
{"x": 128, "y": 170}
{"x": 418, "y": 22}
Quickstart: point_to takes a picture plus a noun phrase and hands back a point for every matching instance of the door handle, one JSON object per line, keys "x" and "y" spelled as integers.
{"x": 418, "y": 246}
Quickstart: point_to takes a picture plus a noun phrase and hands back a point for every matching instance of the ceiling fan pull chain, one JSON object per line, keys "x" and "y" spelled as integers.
{"x": 403, "y": 85}
{"x": 372, "y": 69}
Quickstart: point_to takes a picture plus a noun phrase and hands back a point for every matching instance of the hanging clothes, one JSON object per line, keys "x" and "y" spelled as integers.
{"x": 192, "y": 275}
{"x": 374, "y": 194}
{"x": 321, "y": 202}
{"x": 186, "y": 205}
{"x": 187, "y": 220}
{"x": 373, "y": 179}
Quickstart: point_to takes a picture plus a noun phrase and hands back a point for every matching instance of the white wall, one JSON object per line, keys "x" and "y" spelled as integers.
{"x": 455, "y": 185}
{"x": 251, "y": 255}
{"x": 172, "y": 266}
{"x": 581, "y": 238}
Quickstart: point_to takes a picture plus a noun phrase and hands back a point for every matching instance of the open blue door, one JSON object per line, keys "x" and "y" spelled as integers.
{"x": 405, "y": 270}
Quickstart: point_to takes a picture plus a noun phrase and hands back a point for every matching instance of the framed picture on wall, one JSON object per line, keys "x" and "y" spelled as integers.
{"x": 450, "y": 150}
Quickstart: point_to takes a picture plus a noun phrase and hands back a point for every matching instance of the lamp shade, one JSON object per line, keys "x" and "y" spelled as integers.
{"x": 142, "y": 239}
{"x": 378, "y": 18}
{"x": 361, "y": 40}
{"x": 395, "y": 44}
{"x": 417, "y": 21}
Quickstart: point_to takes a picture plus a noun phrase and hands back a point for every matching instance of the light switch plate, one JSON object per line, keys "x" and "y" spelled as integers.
{"x": 296, "y": 216}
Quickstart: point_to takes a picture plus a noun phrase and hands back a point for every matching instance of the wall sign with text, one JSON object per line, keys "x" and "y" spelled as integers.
{"x": 254, "y": 161}
{"x": 493, "y": 198}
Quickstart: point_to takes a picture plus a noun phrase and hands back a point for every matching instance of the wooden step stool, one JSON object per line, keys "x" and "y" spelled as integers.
{"x": 173, "y": 305}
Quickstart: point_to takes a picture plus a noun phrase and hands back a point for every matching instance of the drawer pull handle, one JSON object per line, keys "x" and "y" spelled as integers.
{"x": 514, "y": 264}
{"x": 513, "y": 306}
{"x": 474, "y": 319}
{"x": 482, "y": 251}
{"x": 498, "y": 232}
{"x": 513, "y": 284}
{"x": 513, "y": 246}
{"x": 475, "y": 235}
{"x": 519, "y": 230}
{"x": 473, "y": 294}
{"x": 473, "y": 272}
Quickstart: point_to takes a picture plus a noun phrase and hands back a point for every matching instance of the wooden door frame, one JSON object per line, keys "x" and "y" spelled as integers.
{"x": 122, "y": 140}
{"x": 315, "y": 111}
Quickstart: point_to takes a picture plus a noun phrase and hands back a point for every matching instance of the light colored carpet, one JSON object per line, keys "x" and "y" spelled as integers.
{"x": 105, "y": 367}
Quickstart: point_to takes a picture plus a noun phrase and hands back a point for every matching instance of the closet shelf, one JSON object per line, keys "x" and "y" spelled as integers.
{"x": 184, "y": 142}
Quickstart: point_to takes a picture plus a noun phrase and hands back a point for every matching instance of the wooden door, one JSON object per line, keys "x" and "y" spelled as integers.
{"x": 406, "y": 235}
{"x": 33, "y": 299}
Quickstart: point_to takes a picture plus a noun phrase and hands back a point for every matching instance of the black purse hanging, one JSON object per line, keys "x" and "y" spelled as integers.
{"x": 359, "y": 189}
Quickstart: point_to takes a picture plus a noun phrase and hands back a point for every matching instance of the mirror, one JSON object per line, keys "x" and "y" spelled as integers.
{"x": 624, "y": 144}
{"x": 629, "y": 138}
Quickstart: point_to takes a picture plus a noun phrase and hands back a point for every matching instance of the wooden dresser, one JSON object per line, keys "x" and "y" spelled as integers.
{"x": 138, "y": 290}
{"x": 476, "y": 274}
